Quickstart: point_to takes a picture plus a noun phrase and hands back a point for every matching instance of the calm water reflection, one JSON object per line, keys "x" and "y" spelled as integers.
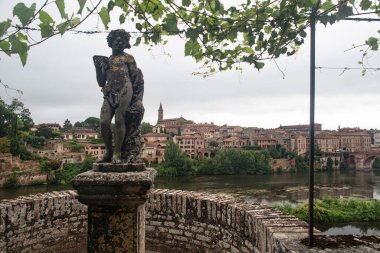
{"x": 273, "y": 189}
{"x": 355, "y": 228}
{"x": 24, "y": 191}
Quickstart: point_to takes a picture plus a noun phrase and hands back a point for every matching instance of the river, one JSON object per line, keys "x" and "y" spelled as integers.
{"x": 268, "y": 189}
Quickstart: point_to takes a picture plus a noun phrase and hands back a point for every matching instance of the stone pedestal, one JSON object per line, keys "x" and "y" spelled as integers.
{"x": 116, "y": 208}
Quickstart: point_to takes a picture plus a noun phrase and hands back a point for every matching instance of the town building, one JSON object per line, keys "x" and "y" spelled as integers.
{"x": 234, "y": 142}
{"x": 376, "y": 139}
{"x": 263, "y": 141}
{"x": 327, "y": 142}
{"x": 301, "y": 128}
{"x": 153, "y": 152}
{"x": 154, "y": 147}
{"x": 228, "y": 131}
{"x": 298, "y": 144}
{"x": 81, "y": 134}
{"x": 169, "y": 122}
{"x": 95, "y": 150}
{"x": 192, "y": 145}
{"x": 53, "y": 126}
{"x": 354, "y": 140}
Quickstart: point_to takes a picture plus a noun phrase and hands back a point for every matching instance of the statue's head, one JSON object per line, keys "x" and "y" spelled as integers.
{"x": 122, "y": 34}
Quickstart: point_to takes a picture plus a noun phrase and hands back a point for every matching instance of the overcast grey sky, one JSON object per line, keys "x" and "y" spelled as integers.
{"x": 59, "y": 82}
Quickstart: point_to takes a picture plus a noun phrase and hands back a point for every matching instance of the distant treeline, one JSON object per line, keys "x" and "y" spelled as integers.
{"x": 226, "y": 162}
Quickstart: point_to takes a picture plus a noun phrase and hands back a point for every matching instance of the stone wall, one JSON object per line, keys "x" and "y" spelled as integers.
{"x": 200, "y": 222}
{"x": 176, "y": 221}
{"x": 282, "y": 165}
{"x": 27, "y": 172}
{"x": 51, "y": 222}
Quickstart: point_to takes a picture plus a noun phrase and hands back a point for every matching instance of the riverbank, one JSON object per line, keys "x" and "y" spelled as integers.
{"x": 335, "y": 210}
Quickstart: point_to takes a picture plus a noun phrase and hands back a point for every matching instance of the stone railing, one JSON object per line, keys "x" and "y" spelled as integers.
{"x": 201, "y": 222}
{"x": 176, "y": 221}
{"x": 50, "y": 222}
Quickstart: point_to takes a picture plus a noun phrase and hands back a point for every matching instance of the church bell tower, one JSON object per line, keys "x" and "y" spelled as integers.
{"x": 160, "y": 113}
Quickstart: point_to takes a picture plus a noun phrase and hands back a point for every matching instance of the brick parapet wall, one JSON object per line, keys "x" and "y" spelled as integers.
{"x": 50, "y": 222}
{"x": 176, "y": 221}
{"x": 201, "y": 222}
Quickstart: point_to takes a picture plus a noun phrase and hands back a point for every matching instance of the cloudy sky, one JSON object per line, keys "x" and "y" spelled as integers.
{"x": 59, "y": 82}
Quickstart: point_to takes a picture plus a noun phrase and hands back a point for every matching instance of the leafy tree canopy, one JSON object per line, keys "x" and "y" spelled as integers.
{"x": 146, "y": 127}
{"x": 218, "y": 34}
{"x": 67, "y": 126}
{"x": 92, "y": 122}
{"x": 44, "y": 131}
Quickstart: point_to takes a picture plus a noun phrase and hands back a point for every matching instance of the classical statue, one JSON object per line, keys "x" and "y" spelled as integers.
{"x": 122, "y": 85}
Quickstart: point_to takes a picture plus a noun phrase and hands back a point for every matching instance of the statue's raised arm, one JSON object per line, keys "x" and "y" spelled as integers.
{"x": 101, "y": 65}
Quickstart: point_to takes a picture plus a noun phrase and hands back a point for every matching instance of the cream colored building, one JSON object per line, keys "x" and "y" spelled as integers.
{"x": 298, "y": 144}
{"x": 263, "y": 141}
{"x": 191, "y": 145}
{"x": 327, "y": 142}
{"x": 234, "y": 142}
{"x": 95, "y": 150}
{"x": 355, "y": 141}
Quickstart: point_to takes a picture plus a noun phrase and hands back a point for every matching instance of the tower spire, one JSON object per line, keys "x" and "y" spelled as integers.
{"x": 160, "y": 113}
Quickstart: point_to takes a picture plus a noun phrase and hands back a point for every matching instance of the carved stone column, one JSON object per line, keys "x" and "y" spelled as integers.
{"x": 116, "y": 207}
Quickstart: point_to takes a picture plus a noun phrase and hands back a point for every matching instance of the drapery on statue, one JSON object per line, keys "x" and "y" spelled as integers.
{"x": 123, "y": 88}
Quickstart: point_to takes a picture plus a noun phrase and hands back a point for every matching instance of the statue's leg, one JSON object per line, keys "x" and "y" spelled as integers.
{"x": 125, "y": 146}
{"x": 120, "y": 125}
{"x": 106, "y": 114}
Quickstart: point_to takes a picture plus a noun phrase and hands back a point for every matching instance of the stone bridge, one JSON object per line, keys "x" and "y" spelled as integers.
{"x": 362, "y": 160}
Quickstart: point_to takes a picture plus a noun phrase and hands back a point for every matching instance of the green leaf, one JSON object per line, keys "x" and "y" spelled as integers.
{"x": 61, "y": 7}
{"x": 247, "y": 50}
{"x": 344, "y": 11}
{"x": 328, "y": 5}
{"x": 138, "y": 41}
{"x": 62, "y": 27}
{"x": 259, "y": 65}
{"x": 186, "y": 3}
{"x": 45, "y": 17}
{"x": 122, "y": 19}
{"x": 365, "y": 4}
{"x": 110, "y": 5}
{"x": 82, "y": 3}
{"x": 4, "y": 45}
{"x": 22, "y": 36}
{"x": 4, "y": 26}
{"x": 105, "y": 17}
{"x": 24, "y": 13}
{"x": 46, "y": 30}
{"x": 192, "y": 48}
{"x": 19, "y": 47}
{"x": 373, "y": 43}
{"x": 170, "y": 23}
{"x": 121, "y": 3}
{"x": 192, "y": 33}
{"x": 74, "y": 22}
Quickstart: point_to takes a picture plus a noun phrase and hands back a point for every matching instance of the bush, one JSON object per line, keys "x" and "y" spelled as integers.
{"x": 38, "y": 182}
{"x": 376, "y": 163}
{"x": 337, "y": 210}
{"x": 70, "y": 170}
{"x": 12, "y": 181}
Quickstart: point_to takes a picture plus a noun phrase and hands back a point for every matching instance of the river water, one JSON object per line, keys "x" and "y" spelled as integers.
{"x": 268, "y": 189}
